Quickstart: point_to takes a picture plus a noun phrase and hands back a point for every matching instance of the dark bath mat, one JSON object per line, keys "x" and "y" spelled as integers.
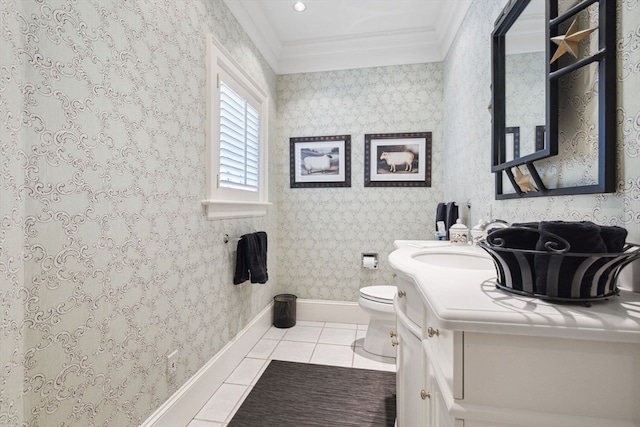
{"x": 290, "y": 394}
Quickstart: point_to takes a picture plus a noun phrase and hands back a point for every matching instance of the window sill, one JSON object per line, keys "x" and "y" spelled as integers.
{"x": 220, "y": 209}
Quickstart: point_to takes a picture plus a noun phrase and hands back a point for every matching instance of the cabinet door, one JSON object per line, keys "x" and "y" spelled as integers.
{"x": 409, "y": 379}
{"x": 437, "y": 413}
{"x": 445, "y": 350}
{"x": 440, "y": 413}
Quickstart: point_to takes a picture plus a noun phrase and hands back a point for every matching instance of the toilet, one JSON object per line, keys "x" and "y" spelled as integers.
{"x": 377, "y": 301}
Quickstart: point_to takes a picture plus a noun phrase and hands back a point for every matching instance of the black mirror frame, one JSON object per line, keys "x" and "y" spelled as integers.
{"x": 606, "y": 99}
{"x": 505, "y": 21}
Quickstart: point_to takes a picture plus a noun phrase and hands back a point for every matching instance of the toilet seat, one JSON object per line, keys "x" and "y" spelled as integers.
{"x": 381, "y": 294}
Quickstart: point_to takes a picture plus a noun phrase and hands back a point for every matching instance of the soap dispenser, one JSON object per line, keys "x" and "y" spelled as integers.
{"x": 459, "y": 233}
{"x": 477, "y": 232}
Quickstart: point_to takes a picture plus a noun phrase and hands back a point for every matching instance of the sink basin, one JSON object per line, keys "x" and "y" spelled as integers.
{"x": 457, "y": 260}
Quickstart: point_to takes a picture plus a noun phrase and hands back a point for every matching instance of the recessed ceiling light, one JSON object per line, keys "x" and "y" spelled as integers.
{"x": 299, "y": 6}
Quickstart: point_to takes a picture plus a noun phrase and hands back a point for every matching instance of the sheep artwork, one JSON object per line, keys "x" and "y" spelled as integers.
{"x": 317, "y": 163}
{"x": 398, "y": 158}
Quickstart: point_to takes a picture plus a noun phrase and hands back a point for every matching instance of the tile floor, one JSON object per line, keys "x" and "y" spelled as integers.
{"x": 337, "y": 344}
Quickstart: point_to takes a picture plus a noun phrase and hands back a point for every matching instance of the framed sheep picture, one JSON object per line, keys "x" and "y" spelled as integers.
{"x": 397, "y": 159}
{"x": 320, "y": 161}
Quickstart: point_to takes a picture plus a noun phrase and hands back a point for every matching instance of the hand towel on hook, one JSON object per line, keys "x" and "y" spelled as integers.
{"x": 251, "y": 259}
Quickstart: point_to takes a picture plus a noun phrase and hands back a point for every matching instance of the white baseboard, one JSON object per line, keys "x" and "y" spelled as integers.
{"x": 331, "y": 311}
{"x": 187, "y": 401}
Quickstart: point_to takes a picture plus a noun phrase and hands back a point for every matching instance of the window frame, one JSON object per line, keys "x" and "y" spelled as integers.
{"x": 224, "y": 202}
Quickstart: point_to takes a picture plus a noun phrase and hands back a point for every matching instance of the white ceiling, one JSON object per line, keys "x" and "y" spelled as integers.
{"x": 345, "y": 34}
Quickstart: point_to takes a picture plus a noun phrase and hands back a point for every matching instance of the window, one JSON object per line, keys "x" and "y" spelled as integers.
{"x": 237, "y": 121}
{"x": 239, "y": 141}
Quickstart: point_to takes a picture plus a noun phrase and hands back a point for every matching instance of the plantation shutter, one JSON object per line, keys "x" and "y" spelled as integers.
{"x": 239, "y": 141}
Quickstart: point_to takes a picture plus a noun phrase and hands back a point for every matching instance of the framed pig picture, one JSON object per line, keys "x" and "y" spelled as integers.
{"x": 397, "y": 159}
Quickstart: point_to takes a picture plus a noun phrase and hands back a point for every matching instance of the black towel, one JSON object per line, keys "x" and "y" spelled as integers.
{"x": 251, "y": 259}
{"x": 614, "y": 238}
{"x": 526, "y": 224}
{"x": 518, "y": 235}
{"x": 520, "y": 265}
{"x": 441, "y": 214}
{"x": 583, "y": 237}
{"x": 451, "y": 217}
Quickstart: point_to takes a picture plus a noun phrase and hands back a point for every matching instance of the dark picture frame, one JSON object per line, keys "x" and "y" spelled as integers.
{"x": 397, "y": 159}
{"x": 320, "y": 161}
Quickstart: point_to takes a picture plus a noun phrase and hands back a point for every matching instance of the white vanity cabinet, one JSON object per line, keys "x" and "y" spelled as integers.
{"x": 442, "y": 351}
{"x": 410, "y": 382}
{"x": 426, "y": 364}
{"x": 471, "y": 355}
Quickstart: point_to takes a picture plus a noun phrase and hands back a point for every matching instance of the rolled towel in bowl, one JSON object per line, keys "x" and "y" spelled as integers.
{"x": 567, "y": 276}
{"x": 614, "y": 238}
{"x": 519, "y": 264}
{"x": 523, "y": 239}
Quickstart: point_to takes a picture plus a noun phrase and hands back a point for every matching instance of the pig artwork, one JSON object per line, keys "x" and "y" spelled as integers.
{"x": 395, "y": 159}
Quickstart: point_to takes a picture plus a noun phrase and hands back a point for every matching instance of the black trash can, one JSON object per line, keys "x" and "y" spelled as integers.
{"x": 284, "y": 310}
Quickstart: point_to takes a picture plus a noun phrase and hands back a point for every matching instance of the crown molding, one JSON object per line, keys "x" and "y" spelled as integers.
{"x": 372, "y": 50}
{"x": 409, "y": 46}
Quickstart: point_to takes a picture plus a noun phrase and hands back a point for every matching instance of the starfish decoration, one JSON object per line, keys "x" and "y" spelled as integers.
{"x": 524, "y": 181}
{"x": 569, "y": 41}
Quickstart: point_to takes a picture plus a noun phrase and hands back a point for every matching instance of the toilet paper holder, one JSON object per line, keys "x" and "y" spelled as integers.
{"x": 369, "y": 260}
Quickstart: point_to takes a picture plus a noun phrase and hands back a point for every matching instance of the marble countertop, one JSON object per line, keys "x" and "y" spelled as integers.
{"x": 468, "y": 300}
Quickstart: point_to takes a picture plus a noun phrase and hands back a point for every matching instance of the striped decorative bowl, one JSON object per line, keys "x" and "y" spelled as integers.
{"x": 555, "y": 273}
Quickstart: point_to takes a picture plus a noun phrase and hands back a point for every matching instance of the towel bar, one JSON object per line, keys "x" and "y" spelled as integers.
{"x": 228, "y": 239}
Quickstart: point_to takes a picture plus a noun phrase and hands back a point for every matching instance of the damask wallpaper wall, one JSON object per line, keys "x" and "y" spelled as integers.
{"x": 107, "y": 263}
{"x": 324, "y": 231}
{"x": 467, "y": 129}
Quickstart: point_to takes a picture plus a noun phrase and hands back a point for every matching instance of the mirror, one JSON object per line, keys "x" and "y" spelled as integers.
{"x": 553, "y": 98}
{"x": 519, "y": 85}
{"x": 525, "y": 82}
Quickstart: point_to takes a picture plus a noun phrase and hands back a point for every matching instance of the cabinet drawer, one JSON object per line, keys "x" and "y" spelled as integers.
{"x": 409, "y": 301}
